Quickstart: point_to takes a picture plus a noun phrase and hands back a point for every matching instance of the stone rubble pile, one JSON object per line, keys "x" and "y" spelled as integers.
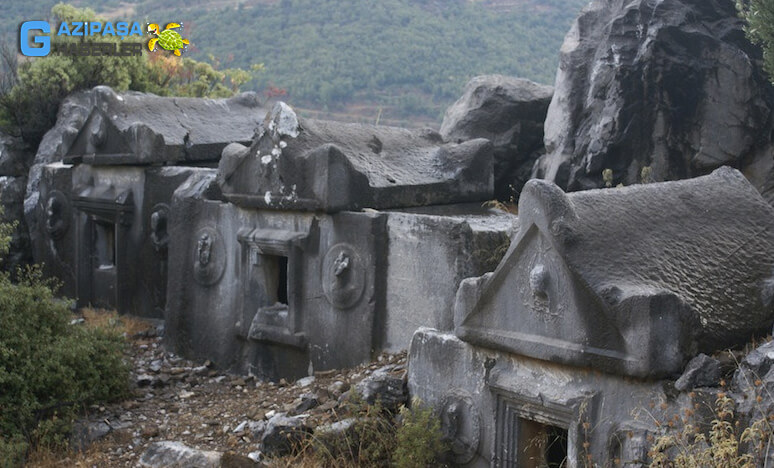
{"x": 186, "y": 413}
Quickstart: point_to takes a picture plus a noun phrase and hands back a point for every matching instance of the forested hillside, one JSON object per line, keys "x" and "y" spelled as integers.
{"x": 401, "y": 59}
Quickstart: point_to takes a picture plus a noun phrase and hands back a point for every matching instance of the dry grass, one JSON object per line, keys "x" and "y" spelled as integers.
{"x": 43, "y": 457}
{"x": 511, "y": 206}
{"x": 110, "y": 320}
{"x": 727, "y": 439}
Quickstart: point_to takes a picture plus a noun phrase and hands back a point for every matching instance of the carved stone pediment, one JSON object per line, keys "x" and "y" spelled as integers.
{"x": 631, "y": 280}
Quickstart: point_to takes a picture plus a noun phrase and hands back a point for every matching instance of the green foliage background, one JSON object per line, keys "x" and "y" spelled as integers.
{"x": 31, "y": 90}
{"x": 759, "y": 15}
{"x": 411, "y": 57}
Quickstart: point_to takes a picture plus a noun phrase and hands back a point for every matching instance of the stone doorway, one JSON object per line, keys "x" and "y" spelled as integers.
{"x": 103, "y": 264}
{"x": 541, "y": 445}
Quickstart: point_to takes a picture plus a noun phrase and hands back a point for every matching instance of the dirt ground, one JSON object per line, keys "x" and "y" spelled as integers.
{"x": 193, "y": 403}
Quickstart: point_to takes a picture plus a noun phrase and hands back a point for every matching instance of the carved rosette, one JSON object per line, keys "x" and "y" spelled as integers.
{"x": 461, "y": 426}
{"x": 343, "y": 276}
{"x": 209, "y": 256}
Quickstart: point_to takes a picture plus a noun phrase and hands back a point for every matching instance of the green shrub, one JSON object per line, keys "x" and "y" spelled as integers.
{"x": 759, "y": 15}
{"x": 369, "y": 440}
{"x": 419, "y": 438}
{"x": 49, "y": 368}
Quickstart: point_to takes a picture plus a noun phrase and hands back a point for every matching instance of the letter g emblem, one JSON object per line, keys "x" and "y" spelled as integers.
{"x": 44, "y": 40}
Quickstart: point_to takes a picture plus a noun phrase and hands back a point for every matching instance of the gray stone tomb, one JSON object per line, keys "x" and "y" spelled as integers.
{"x": 304, "y": 164}
{"x": 101, "y": 215}
{"x": 633, "y": 280}
{"x": 282, "y": 264}
{"x": 600, "y": 296}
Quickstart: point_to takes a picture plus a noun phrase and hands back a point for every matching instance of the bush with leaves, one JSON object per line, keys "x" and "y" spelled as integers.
{"x": 31, "y": 91}
{"x": 50, "y": 369}
{"x": 419, "y": 437}
{"x": 759, "y": 15}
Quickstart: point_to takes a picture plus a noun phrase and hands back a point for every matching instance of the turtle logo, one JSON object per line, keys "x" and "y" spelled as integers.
{"x": 167, "y": 39}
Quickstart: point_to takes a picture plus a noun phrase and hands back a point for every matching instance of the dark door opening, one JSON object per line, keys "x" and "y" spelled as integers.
{"x": 276, "y": 277}
{"x": 541, "y": 445}
{"x": 282, "y": 284}
{"x": 105, "y": 244}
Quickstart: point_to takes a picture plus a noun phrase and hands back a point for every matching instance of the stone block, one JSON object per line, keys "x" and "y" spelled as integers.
{"x": 304, "y": 164}
{"x": 509, "y": 112}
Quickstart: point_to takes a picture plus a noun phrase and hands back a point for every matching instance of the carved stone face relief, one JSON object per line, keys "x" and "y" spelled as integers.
{"x": 538, "y": 281}
{"x": 58, "y": 212}
{"x": 204, "y": 249}
{"x": 209, "y": 256}
{"x": 540, "y": 287}
{"x": 343, "y": 276}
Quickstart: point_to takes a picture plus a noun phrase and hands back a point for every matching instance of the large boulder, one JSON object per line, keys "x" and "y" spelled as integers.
{"x": 658, "y": 91}
{"x": 509, "y": 112}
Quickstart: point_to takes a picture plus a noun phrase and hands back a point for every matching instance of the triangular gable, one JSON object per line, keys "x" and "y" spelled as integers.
{"x": 537, "y": 304}
{"x": 533, "y": 305}
{"x": 98, "y": 135}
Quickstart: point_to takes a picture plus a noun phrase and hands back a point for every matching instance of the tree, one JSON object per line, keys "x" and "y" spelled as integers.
{"x": 30, "y": 92}
{"x": 759, "y": 15}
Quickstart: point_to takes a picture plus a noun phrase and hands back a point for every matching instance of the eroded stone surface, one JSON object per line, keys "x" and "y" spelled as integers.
{"x": 701, "y": 371}
{"x": 283, "y": 434}
{"x": 176, "y": 454}
{"x": 658, "y": 91}
{"x": 137, "y": 128}
{"x": 108, "y": 141}
{"x": 632, "y": 280}
{"x": 510, "y": 113}
{"x": 483, "y": 397}
{"x": 304, "y": 164}
{"x": 296, "y": 290}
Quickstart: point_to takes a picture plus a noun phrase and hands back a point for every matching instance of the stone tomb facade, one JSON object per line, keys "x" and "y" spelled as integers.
{"x": 323, "y": 243}
{"x": 601, "y": 295}
{"x": 104, "y": 210}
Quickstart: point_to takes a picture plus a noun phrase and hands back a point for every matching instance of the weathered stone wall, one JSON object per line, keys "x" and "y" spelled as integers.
{"x": 357, "y": 282}
{"x": 431, "y": 250}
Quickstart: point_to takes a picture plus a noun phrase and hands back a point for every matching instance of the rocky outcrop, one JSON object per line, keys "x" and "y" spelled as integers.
{"x": 509, "y": 112}
{"x": 73, "y": 113}
{"x": 658, "y": 91}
